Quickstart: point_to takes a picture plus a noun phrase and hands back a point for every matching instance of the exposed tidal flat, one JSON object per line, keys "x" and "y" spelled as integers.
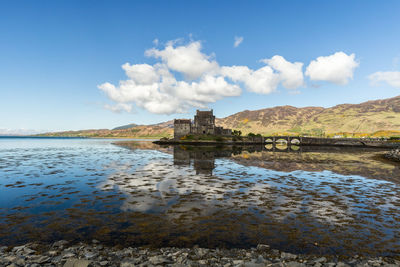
{"x": 168, "y": 201}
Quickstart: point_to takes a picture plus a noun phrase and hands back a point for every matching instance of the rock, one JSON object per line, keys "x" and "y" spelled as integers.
{"x": 9, "y": 259}
{"x": 159, "y": 260}
{"x": 262, "y": 247}
{"x": 94, "y": 241}
{"x": 52, "y": 253}
{"x": 20, "y": 262}
{"x": 40, "y": 259}
{"x": 288, "y": 256}
{"x": 201, "y": 252}
{"x": 12, "y": 265}
{"x": 77, "y": 263}
{"x": 237, "y": 262}
{"x": 127, "y": 264}
{"x": 68, "y": 255}
{"x": 295, "y": 264}
{"x": 253, "y": 264}
{"x": 342, "y": 264}
{"x": 90, "y": 255}
{"x": 103, "y": 263}
{"x": 28, "y": 251}
{"x": 319, "y": 260}
{"x": 60, "y": 243}
{"x": 260, "y": 259}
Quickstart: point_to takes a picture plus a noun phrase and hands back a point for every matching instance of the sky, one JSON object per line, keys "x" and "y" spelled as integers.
{"x": 70, "y": 65}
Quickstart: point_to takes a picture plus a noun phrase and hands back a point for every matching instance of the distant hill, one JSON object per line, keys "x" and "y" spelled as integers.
{"x": 132, "y": 125}
{"x": 376, "y": 118}
{"x": 368, "y": 117}
{"x": 140, "y": 131}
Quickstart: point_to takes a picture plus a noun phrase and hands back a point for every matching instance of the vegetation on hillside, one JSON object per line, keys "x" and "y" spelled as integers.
{"x": 379, "y": 118}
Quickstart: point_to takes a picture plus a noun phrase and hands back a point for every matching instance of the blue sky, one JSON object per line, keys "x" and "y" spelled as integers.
{"x": 56, "y": 55}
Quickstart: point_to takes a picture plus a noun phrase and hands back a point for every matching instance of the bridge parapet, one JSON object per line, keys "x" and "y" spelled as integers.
{"x": 318, "y": 141}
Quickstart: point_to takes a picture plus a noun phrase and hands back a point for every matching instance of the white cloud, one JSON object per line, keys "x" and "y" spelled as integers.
{"x": 238, "y": 41}
{"x": 291, "y": 74}
{"x": 185, "y": 59}
{"x": 263, "y": 80}
{"x": 337, "y": 68}
{"x": 158, "y": 91}
{"x": 185, "y": 77}
{"x": 390, "y": 77}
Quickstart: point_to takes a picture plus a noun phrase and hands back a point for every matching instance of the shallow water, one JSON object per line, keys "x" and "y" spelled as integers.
{"x": 323, "y": 202}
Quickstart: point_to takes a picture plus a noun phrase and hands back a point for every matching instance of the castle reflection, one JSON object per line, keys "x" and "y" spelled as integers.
{"x": 203, "y": 158}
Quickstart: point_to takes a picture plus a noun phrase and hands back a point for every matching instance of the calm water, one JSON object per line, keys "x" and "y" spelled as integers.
{"x": 307, "y": 201}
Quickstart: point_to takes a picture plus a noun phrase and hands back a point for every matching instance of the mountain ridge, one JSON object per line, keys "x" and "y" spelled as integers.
{"x": 380, "y": 116}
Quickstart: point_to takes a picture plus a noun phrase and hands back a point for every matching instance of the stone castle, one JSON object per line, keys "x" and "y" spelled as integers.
{"x": 204, "y": 123}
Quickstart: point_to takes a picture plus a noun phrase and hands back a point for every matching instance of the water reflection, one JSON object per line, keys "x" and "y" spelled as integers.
{"x": 203, "y": 157}
{"x": 305, "y": 201}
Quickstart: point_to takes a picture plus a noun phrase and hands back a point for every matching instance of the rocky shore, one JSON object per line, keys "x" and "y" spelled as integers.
{"x": 61, "y": 253}
{"x": 393, "y": 154}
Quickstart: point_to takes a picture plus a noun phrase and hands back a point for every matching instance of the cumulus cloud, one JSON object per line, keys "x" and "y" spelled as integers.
{"x": 238, "y": 41}
{"x": 390, "y": 77}
{"x": 337, "y": 68}
{"x": 188, "y": 59}
{"x": 262, "y": 80}
{"x": 291, "y": 74}
{"x": 156, "y": 89}
{"x": 184, "y": 77}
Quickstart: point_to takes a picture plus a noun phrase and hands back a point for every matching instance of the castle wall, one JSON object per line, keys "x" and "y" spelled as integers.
{"x": 181, "y": 128}
{"x": 204, "y": 123}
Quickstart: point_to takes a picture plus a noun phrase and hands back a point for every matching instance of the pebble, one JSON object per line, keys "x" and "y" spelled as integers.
{"x": 95, "y": 254}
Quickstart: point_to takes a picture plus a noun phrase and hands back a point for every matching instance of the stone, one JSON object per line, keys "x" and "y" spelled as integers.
{"x": 103, "y": 263}
{"x": 262, "y": 247}
{"x": 52, "y": 253}
{"x": 90, "y": 255}
{"x": 28, "y": 251}
{"x": 12, "y": 265}
{"x": 342, "y": 264}
{"x": 68, "y": 255}
{"x": 295, "y": 264}
{"x": 158, "y": 260}
{"x": 201, "y": 252}
{"x": 288, "y": 256}
{"x": 253, "y": 264}
{"x": 60, "y": 243}
{"x": 77, "y": 263}
{"x": 320, "y": 260}
{"x": 203, "y": 262}
{"x": 20, "y": 262}
{"x": 237, "y": 262}
{"x": 18, "y": 248}
{"x": 10, "y": 258}
{"x": 40, "y": 259}
{"x": 127, "y": 264}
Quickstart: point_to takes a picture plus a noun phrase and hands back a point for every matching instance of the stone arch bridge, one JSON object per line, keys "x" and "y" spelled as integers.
{"x": 316, "y": 141}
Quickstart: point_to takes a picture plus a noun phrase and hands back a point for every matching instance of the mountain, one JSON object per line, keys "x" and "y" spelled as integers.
{"x": 368, "y": 117}
{"x": 140, "y": 131}
{"x": 376, "y": 118}
{"x": 132, "y": 125}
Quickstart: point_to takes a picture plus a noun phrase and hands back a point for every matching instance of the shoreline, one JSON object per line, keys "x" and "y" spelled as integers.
{"x": 62, "y": 253}
{"x": 383, "y": 145}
